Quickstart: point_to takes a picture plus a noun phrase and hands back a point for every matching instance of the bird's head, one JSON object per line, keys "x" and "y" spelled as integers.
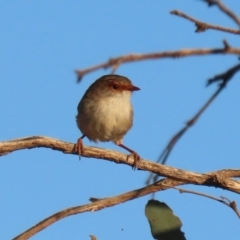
{"x": 112, "y": 84}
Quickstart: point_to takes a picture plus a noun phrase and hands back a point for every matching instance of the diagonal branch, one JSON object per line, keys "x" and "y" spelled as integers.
{"x": 202, "y": 26}
{"x": 223, "y": 78}
{"x": 98, "y": 205}
{"x": 116, "y": 62}
{"x": 213, "y": 179}
{"x": 224, "y": 9}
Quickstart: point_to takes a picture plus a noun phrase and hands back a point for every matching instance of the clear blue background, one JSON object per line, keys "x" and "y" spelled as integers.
{"x": 41, "y": 43}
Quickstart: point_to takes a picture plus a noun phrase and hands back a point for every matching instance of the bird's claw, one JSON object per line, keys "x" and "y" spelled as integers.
{"x": 136, "y": 158}
{"x": 78, "y": 147}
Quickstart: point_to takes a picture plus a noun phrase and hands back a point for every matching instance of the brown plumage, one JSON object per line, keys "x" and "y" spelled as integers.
{"x": 105, "y": 112}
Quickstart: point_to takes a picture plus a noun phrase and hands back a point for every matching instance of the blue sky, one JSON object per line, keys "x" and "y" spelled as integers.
{"x": 42, "y": 42}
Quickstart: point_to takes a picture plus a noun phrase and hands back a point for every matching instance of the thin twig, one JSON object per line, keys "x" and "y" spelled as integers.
{"x": 114, "y": 63}
{"x": 224, "y": 78}
{"x": 224, "y": 200}
{"x": 224, "y": 9}
{"x": 202, "y": 26}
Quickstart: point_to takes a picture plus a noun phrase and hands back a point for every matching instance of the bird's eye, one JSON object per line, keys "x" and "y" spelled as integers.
{"x": 115, "y": 86}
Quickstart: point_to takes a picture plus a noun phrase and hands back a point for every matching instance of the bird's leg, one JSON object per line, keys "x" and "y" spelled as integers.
{"x": 135, "y": 155}
{"x": 78, "y": 147}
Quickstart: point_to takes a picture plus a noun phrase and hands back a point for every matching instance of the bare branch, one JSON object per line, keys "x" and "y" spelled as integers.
{"x": 231, "y": 204}
{"x": 214, "y": 179}
{"x": 224, "y": 78}
{"x": 99, "y": 204}
{"x": 116, "y": 62}
{"x": 202, "y": 26}
{"x": 224, "y": 9}
{"x": 165, "y": 154}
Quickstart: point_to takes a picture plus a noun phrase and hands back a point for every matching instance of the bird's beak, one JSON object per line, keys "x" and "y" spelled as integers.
{"x": 134, "y": 88}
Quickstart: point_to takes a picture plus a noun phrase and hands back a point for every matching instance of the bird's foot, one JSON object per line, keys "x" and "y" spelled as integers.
{"x": 78, "y": 147}
{"x": 136, "y": 158}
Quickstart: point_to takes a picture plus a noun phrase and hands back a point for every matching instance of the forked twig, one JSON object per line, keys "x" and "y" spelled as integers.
{"x": 224, "y": 200}
{"x": 202, "y": 26}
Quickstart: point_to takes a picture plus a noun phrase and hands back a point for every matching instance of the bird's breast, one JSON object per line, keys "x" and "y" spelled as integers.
{"x": 116, "y": 113}
{"x": 107, "y": 119}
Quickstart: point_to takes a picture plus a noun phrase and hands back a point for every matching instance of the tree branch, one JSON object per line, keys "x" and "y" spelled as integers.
{"x": 116, "y": 62}
{"x": 224, "y": 200}
{"x": 213, "y": 179}
{"x": 202, "y": 26}
{"x": 223, "y": 78}
{"x": 98, "y": 205}
{"x": 224, "y": 9}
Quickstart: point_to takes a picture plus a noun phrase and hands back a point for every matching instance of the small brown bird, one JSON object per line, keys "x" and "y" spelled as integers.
{"x": 105, "y": 112}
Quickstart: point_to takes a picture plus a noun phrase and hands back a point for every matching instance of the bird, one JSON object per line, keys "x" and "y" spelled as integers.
{"x": 105, "y": 112}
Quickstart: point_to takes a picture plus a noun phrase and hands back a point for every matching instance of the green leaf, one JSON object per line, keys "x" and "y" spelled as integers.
{"x": 163, "y": 223}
